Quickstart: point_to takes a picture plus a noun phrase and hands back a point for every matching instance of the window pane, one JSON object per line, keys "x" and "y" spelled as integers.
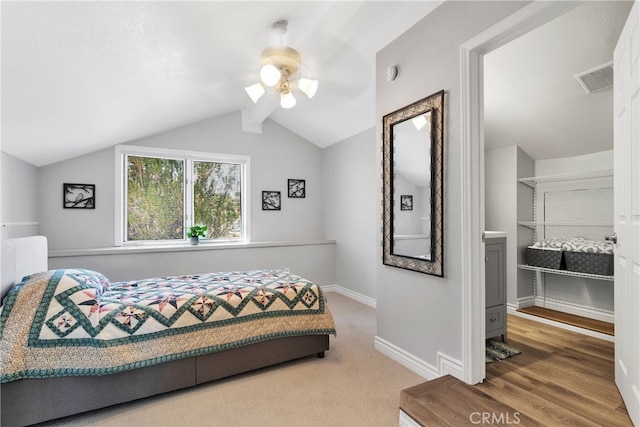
{"x": 217, "y": 199}
{"x": 155, "y": 198}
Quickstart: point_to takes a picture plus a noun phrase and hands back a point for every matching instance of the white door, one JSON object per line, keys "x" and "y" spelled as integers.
{"x": 626, "y": 58}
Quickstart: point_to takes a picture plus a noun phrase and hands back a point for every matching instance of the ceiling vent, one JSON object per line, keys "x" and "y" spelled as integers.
{"x": 597, "y": 79}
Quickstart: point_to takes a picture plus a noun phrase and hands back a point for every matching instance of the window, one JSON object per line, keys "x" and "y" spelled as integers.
{"x": 164, "y": 192}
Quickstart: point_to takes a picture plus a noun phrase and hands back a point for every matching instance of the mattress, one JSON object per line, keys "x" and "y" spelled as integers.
{"x": 75, "y": 322}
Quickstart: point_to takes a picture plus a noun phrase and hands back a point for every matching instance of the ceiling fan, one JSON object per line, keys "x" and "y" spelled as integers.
{"x": 278, "y": 73}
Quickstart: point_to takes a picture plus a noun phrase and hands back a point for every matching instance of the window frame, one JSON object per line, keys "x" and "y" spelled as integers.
{"x": 121, "y": 153}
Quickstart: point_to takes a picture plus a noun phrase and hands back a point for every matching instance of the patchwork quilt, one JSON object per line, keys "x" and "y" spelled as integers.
{"x": 75, "y": 322}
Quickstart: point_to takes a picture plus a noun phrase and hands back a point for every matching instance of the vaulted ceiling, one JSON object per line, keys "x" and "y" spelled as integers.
{"x": 532, "y": 97}
{"x": 82, "y": 76}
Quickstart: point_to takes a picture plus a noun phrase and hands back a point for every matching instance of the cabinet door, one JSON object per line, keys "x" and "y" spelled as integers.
{"x": 495, "y": 270}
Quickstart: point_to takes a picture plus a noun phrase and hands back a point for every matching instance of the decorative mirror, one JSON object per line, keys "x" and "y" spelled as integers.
{"x": 412, "y": 142}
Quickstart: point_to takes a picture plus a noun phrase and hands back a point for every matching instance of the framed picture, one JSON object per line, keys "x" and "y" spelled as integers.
{"x": 79, "y": 196}
{"x": 297, "y": 188}
{"x": 406, "y": 203}
{"x": 271, "y": 201}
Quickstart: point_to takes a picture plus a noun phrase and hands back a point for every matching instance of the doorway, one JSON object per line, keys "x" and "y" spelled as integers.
{"x": 472, "y": 56}
{"x": 549, "y": 165}
{"x": 472, "y": 161}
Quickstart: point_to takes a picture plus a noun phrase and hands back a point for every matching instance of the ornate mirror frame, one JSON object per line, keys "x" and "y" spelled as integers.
{"x": 434, "y": 265}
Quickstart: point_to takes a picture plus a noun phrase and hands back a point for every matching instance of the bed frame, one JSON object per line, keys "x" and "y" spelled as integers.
{"x": 31, "y": 401}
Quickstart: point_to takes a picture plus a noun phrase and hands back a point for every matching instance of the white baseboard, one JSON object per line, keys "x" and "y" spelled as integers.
{"x": 407, "y": 421}
{"x": 565, "y": 307}
{"x": 371, "y": 302}
{"x": 561, "y": 325}
{"x": 446, "y": 364}
{"x": 524, "y": 302}
{"x": 576, "y": 309}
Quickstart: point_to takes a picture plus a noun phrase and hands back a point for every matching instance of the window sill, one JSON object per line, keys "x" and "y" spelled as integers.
{"x": 181, "y": 247}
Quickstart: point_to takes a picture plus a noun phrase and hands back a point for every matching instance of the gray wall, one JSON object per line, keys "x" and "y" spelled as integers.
{"x": 351, "y": 186}
{"x": 19, "y": 197}
{"x": 506, "y": 202}
{"x": 423, "y": 316}
{"x": 314, "y": 262}
{"x": 276, "y": 155}
{"x": 524, "y": 287}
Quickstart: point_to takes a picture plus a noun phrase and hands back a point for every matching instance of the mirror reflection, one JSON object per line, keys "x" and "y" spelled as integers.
{"x": 412, "y": 143}
{"x": 412, "y": 187}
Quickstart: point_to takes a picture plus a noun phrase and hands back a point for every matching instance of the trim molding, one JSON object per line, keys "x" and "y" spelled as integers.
{"x": 577, "y": 309}
{"x": 371, "y": 302}
{"x": 565, "y": 326}
{"x": 20, "y": 224}
{"x": 179, "y": 247}
{"x": 527, "y": 301}
{"x": 472, "y": 170}
{"x": 407, "y": 421}
{"x": 564, "y": 306}
{"x": 445, "y": 364}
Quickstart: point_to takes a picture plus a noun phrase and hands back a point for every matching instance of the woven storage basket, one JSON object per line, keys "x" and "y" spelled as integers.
{"x": 589, "y": 262}
{"x": 545, "y": 258}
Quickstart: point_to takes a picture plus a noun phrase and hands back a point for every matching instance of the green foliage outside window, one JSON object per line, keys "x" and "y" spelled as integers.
{"x": 216, "y": 198}
{"x": 155, "y": 198}
{"x": 156, "y": 194}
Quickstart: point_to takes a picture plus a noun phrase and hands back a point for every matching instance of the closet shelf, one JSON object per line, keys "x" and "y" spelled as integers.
{"x": 534, "y": 224}
{"x": 565, "y": 272}
{"x": 534, "y": 180}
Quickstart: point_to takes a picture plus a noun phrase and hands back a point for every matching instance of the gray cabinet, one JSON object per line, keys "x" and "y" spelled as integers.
{"x": 495, "y": 287}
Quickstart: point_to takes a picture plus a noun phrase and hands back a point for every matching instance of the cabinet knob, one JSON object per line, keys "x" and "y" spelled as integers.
{"x": 486, "y": 259}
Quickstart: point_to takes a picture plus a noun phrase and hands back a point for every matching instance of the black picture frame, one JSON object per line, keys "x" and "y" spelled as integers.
{"x": 297, "y": 188}
{"x": 406, "y": 202}
{"x": 78, "y": 196}
{"x": 271, "y": 201}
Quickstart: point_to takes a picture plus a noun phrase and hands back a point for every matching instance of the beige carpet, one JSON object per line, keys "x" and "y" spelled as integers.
{"x": 354, "y": 385}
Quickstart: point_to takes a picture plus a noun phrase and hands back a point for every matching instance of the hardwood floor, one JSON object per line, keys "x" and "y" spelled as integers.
{"x": 560, "y": 378}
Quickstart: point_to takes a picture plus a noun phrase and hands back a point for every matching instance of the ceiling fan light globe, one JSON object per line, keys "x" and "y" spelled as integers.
{"x": 287, "y": 100}
{"x": 270, "y": 75}
{"x": 308, "y": 86}
{"x": 255, "y": 92}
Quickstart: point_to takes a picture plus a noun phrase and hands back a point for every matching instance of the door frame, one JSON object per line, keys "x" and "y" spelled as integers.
{"x": 472, "y": 171}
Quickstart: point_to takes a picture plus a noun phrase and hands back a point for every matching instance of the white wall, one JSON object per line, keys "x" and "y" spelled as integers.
{"x": 351, "y": 186}
{"x": 19, "y": 197}
{"x": 276, "y": 155}
{"x": 585, "y": 297}
{"x": 589, "y": 162}
{"x": 506, "y": 202}
{"x": 422, "y": 314}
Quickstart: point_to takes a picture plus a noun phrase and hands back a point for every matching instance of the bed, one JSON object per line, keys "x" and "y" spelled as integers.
{"x": 72, "y": 341}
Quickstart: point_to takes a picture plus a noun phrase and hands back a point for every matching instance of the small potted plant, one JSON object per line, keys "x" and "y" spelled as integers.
{"x": 195, "y": 232}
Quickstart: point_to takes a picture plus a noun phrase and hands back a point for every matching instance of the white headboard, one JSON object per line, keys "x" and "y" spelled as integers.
{"x": 21, "y": 257}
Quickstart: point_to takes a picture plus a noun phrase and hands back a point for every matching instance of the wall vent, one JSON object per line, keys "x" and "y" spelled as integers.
{"x": 596, "y": 79}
